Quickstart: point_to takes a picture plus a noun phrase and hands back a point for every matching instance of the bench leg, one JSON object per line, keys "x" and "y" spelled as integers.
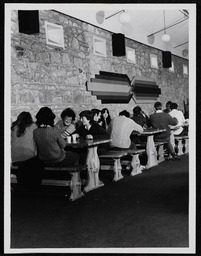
{"x": 161, "y": 157}
{"x": 180, "y": 148}
{"x": 151, "y": 152}
{"x": 186, "y": 146}
{"x": 75, "y": 186}
{"x": 135, "y": 165}
{"x": 117, "y": 170}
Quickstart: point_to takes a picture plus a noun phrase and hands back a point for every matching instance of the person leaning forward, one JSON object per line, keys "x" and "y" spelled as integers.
{"x": 162, "y": 120}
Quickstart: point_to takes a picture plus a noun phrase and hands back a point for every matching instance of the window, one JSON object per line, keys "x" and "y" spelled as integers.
{"x": 185, "y": 69}
{"x": 172, "y": 68}
{"x": 154, "y": 61}
{"x": 54, "y": 34}
{"x": 130, "y": 54}
{"x": 99, "y": 45}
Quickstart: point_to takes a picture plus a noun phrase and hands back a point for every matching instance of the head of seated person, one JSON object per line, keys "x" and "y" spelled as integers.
{"x": 168, "y": 109}
{"x": 137, "y": 111}
{"x": 45, "y": 117}
{"x": 173, "y": 106}
{"x": 124, "y": 113}
{"x": 68, "y": 116}
{"x": 158, "y": 106}
{"x": 96, "y": 115}
{"x": 86, "y": 117}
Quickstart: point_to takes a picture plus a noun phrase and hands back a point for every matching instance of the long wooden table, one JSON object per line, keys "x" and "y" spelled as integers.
{"x": 150, "y": 146}
{"x": 92, "y": 161}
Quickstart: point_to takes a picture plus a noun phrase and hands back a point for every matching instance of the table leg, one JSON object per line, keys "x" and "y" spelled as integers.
{"x": 93, "y": 166}
{"x": 135, "y": 164}
{"x": 117, "y": 170}
{"x": 151, "y": 152}
{"x": 172, "y": 140}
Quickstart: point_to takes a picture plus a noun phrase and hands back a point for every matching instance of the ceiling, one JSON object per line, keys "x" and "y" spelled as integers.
{"x": 145, "y": 20}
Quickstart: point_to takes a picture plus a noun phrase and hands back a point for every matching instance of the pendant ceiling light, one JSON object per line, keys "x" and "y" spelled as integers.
{"x": 124, "y": 17}
{"x": 165, "y": 37}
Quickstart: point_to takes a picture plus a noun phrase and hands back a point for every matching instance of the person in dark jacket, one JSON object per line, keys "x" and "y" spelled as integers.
{"x": 140, "y": 117}
{"x": 90, "y": 130}
{"x": 161, "y": 120}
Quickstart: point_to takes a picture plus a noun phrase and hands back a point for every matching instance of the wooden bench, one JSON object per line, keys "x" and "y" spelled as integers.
{"x": 116, "y": 155}
{"x": 74, "y": 182}
{"x": 159, "y": 149}
{"x": 181, "y": 144}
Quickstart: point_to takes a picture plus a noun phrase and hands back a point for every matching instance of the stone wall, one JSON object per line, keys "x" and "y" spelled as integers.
{"x": 43, "y": 75}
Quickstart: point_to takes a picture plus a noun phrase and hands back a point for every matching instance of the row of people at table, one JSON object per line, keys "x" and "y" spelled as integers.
{"x": 48, "y": 140}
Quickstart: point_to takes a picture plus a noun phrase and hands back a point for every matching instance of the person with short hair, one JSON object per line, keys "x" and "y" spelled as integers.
{"x": 49, "y": 142}
{"x": 89, "y": 128}
{"x": 140, "y": 117}
{"x": 162, "y": 120}
{"x": 66, "y": 125}
{"x": 180, "y": 118}
{"x": 124, "y": 113}
{"x": 120, "y": 129}
{"x": 167, "y": 109}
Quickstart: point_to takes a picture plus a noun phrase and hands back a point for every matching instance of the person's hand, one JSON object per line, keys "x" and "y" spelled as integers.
{"x": 89, "y": 137}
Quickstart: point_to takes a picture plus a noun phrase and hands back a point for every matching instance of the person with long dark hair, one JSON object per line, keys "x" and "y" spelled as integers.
{"x": 22, "y": 143}
{"x": 105, "y": 118}
{"x": 24, "y": 151}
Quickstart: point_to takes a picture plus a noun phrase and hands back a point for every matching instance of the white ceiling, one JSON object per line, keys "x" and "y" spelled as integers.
{"x": 145, "y": 19}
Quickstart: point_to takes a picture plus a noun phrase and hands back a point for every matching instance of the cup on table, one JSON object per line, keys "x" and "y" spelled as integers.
{"x": 74, "y": 137}
{"x": 68, "y": 139}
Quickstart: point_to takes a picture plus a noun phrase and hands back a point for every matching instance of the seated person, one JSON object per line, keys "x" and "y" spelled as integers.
{"x": 120, "y": 129}
{"x": 90, "y": 130}
{"x": 66, "y": 124}
{"x": 97, "y": 116}
{"x": 49, "y": 142}
{"x": 124, "y": 113}
{"x": 162, "y": 120}
{"x": 167, "y": 109}
{"x": 178, "y": 129}
{"x": 140, "y": 117}
{"x": 22, "y": 143}
{"x": 105, "y": 117}
{"x": 23, "y": 148}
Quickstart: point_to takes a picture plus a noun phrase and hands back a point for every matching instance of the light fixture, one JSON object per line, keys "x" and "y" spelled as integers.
{"x": 151, "y": 39}
{"x": 185, "y": 52}
{"x": 165, "y": 37}
{"x": 124, "y": 17}
{"x": 100, "y": 16}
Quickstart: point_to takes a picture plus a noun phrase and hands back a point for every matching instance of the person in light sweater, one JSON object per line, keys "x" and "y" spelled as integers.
{"x": 120, "y": 130}
{"x": 180, "y": 118}
{"x": 24, "y": 151}
{"x": 22, "y": 143}
{"x": 49, "y": 141}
